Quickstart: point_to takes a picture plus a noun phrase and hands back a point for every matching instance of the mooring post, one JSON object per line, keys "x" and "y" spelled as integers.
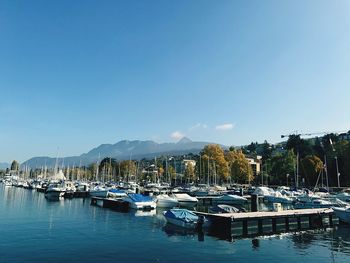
{"x": 254, "y": 203}
{"x": 245, "y": 227}
{"x": 287, "y": 223}
{"x": 274, "y": 228}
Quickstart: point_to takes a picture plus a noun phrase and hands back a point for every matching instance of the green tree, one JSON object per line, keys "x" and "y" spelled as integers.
{"x": 311, "y": 167}
{"x": 282, "y": 168}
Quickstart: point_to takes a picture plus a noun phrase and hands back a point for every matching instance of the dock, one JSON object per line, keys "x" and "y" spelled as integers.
{"x": 250, "y": 224}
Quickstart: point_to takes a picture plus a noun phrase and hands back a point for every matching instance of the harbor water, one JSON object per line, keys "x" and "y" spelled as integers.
{"x": 33, "y": 229}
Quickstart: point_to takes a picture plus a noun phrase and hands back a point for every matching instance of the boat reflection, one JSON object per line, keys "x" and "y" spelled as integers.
{"x": 173, "y": 230}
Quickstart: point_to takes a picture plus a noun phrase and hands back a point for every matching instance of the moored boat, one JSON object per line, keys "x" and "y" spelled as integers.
{"x": 343, "y": 213}
{"x": 183, "y": 218}
{"x": 139, "y": 201}
{"x": 165, "y": 200}
{"x": 186, "y": 200}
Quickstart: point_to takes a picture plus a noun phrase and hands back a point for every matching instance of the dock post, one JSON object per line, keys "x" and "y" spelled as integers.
{"x": 254, "y": 203}
{"x": 330, "y": 220}
{"x": 245, "y": 227}
{"x": 260, "y": 226}
{"x": 287, "y": 223}
{"x": 299, "y": 223}
{"x": 274, "y": 228}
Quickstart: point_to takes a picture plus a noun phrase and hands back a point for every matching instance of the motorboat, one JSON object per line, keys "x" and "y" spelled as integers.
{"x": 343, "y": 213}
{"x": 272, "y": 196}
{"x": 230, "y": 200}
{"x": 185, "y": 200}
{"x": 98, "y": 191}
{"x": 184, "y": 218}
{"x": 54, "y": 191}
{"x": 319, "y": 203}
{"x": 139, "y": 201}
{"x": 164, "y": 200}
{"x": 8, "y": 183}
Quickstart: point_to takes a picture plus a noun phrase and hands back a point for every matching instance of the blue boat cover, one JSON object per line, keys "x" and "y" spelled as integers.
{"x": 182, "y": 214}
{"x": 140, "y": 198}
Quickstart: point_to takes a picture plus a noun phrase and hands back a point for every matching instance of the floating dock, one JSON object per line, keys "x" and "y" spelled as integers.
{"x": 266, "y": 223}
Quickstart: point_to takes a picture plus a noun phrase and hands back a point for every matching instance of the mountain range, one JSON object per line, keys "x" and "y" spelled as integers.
{"x": 122, "y": 150}
{"x": 4, "y": 166}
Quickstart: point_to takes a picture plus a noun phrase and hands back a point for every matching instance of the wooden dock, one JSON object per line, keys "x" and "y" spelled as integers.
{"x": 267, "y": 223}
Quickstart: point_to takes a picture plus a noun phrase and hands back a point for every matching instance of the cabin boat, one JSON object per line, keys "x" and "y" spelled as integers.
{"x": 139, "y": 201}
{"x": 54, "y": 191}
{"x": 165, "y": 200}
{"x": 185, "y": 200}
{"x": 98, "y": 191}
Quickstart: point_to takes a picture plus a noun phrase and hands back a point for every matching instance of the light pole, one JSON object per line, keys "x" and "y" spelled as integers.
{"x": 287, "y": 179}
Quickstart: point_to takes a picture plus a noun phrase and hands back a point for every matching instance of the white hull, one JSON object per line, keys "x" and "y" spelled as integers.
{"x": 143, "y": 205}
{"x": 166, "y": 201}
{"x": 99, "y": 193}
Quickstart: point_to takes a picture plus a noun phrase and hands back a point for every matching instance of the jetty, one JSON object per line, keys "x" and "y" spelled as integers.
{"x": 250, "y": 224}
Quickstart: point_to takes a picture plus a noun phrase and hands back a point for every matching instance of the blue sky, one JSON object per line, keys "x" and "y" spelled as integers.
{"x": 75, "y": 74}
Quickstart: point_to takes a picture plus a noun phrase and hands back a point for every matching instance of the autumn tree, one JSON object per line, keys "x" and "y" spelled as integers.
{"x": 240, "y": 169}
{"x": 214, "y": 154}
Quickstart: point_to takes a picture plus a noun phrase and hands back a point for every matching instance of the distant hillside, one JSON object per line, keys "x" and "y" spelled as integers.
{"x": 122, "y": 150}
{"x": 4, "y": 166}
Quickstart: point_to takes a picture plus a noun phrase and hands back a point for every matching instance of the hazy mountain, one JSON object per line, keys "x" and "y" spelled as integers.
{"x": 122, "y": 150}
{"x": 3, "y": 166}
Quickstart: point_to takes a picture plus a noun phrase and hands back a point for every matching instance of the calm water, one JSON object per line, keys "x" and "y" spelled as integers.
{"x": 33, "y": 229}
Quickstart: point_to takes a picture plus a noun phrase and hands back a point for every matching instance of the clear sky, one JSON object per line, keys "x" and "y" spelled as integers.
{"x": 76, "y": 74}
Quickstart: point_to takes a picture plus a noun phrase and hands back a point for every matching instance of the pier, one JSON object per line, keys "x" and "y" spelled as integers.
{"x": 266, "y": 223}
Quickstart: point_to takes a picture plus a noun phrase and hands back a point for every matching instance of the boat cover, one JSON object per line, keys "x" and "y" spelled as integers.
{"x": 140, "y": 198}
{"x": 224, "y": 209}
{"x": 182, "y": 214}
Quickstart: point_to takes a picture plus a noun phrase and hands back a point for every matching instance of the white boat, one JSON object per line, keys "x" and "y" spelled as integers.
{"x": 343, "y": 213}
{"x": 165, "y": 200}
{"x": 230, "y": 200}
{"x": 139, "y": 201}
{"x": 186, "y": 200}
{"x": 54, "y": 191}
{"x": 319, "y": 203}
{"x": 272, "y": 196}
{"x": 8, "y": 183}
{"x": 183, "y": 218}
{"x": 98, "y": 191}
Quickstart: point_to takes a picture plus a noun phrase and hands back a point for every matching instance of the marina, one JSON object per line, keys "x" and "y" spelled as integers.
{"x": 80, "y": 231}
